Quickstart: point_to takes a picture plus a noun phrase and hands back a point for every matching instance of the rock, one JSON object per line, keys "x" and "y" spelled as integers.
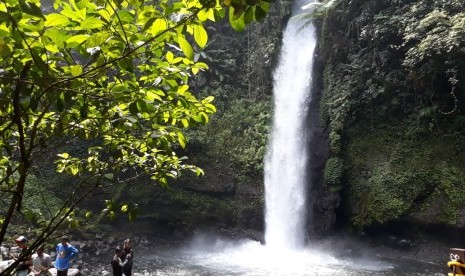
{"x": 51, "y": 272}
{"x": 5, "y": 264}
{"x": 71, "y": 272}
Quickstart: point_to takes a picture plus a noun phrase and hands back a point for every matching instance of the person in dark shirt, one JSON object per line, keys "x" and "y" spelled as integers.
{"x": 117, "y": 264}
{"x": 128, "y": 255}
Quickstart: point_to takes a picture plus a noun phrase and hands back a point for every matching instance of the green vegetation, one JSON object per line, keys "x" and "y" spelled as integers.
{"x": 393, "y": 98}
{"x": 110, "y": 77}
{"x": 407, "y": 175}
{"x": 238, "y": 141}
{"x": 333, "y": 174}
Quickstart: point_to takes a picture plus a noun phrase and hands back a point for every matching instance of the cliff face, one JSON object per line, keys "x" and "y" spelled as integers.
{"x": 394, "y": 102}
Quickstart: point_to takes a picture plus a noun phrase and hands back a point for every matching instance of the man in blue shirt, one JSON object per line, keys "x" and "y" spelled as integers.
{"x": 65, "y": 252}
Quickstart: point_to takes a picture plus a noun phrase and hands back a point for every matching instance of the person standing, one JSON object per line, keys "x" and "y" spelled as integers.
{"x": 128, "y": 255}
{"x": 117, "y": 264}
{"x": 26, "y": 263}
{"x": 42, "y": 262}
{"x": 65, "y": 253}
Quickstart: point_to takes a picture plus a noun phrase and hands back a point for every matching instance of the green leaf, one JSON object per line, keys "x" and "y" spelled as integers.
{"x": 133, "y": 108}
{"x": 39, "y": 62}
{"x": 199, "y": 172}
{"x": 158, "y": 26}
{"x": 249, "y": 15}
{"x": 76, "y": 70}
{"x": 200, "y": 35}
{"x": 148, "y": 23}
{"x": 63, "y": 155}
{"x": 141, "y": 105}
{"x": 73, "y": 170}
{"x": 73, "y": 224}
{"x": 186, "y": 47}
{"x": 57, "y": 36}
{"x": 56, "y": 19}
{"x": 238, "y": 24}
{"x": 77, "y": 40}
{"x": 5, "y": 51}
{"x": 109, "y": 176}
{"x": 203, "y": 14}
{"x": 260, "y": 13}
{"x": 182, "y": 89}
{"x": 133, "y": 215}
{"x": 71, "y": 14}
{"x": 126, "y": 64}
{"x": 185, "y": 123}
{"x": 92, "y": 23}
{"x": 30, "y": 8}
{"x": 204, "y": 117}
{"x": 182, "y": 139}
{"x": 169, "y": 57}
{"x": 125, "y": 16}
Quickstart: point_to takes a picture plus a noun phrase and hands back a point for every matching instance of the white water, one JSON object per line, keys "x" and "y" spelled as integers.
{"x": 286, "y": 159}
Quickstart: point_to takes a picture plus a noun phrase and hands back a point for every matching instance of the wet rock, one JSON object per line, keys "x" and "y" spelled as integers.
{"x": 71, "y": 272}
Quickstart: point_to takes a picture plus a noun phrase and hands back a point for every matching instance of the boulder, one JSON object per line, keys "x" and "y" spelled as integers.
{"x": 5, "y": 264}
{"x": 71, "y": 272}
{"x": 51, "y": 272}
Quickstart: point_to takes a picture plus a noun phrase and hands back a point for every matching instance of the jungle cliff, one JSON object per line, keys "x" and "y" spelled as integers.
{"x": 390, "y": 114}
{"x": 394, "y": 102}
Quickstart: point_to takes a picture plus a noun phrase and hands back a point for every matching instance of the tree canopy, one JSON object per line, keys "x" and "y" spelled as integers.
{"x": 114, "y": 73}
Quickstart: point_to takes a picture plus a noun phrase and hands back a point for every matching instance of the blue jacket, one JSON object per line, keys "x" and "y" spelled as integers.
{"x": 64, "y": 255}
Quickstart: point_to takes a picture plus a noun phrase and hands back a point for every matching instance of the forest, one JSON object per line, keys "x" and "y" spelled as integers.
{"x": 124, "y": 115}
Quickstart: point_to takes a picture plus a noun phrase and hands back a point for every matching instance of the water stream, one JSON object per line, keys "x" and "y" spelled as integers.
{"x": 286, "y": 160}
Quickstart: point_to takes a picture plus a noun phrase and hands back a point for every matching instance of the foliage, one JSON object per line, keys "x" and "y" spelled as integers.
{"x": 334, "y": 169}
{"x": 387, "y": 195}
{"x": 450, "y": 188}
{"x": 398, "y": 171}
{"x": 390, "y": 46}
{"x": 116, "y": 72}
{"x": 393, "y": 96}
{"x": 238, "y": 140}
{"x": 318, "y": 9}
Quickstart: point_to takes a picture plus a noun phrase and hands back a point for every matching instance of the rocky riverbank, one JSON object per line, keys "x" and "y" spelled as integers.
{"x": 151, "y": 252}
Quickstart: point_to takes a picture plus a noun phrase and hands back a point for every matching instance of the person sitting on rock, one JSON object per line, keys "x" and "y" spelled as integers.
{"x": 42, "y": 262}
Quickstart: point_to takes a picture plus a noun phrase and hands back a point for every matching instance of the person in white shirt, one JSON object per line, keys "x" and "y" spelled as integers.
{"x": 41, "y": 262}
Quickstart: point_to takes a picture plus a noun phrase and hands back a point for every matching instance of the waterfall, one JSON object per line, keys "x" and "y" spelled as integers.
{"x": 286, "y": 157}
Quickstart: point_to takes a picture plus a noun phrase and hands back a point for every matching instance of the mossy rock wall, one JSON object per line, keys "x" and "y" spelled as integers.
{"x": 393, "y": 100}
